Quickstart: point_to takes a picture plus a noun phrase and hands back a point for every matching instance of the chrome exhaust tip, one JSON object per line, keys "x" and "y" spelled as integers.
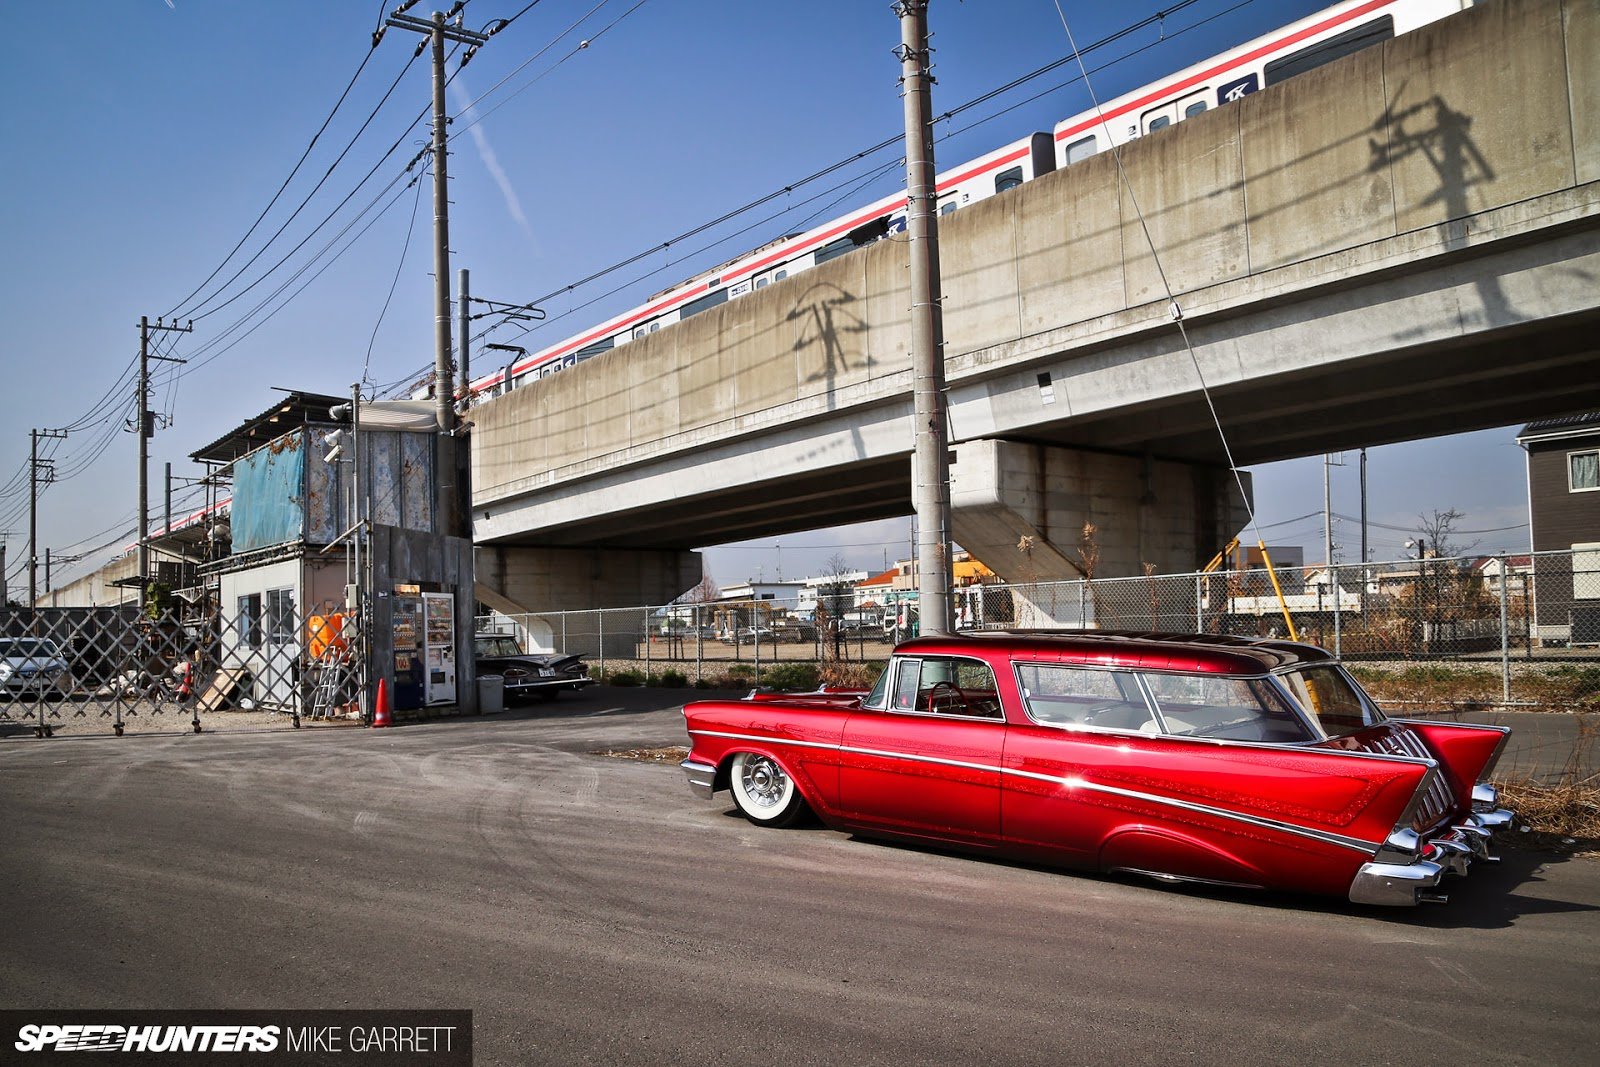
{"x": 1425, "y": 897}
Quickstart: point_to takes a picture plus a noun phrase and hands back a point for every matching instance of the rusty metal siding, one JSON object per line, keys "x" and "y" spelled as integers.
{"x": 380, "y": 455}
{"x": 416, "y": 466}
{"x": 269, "y": 494}
{"x": 325, "y": 494}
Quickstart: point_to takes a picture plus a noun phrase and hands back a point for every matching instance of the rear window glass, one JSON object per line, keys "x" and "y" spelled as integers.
{"x": 1221, "y": 706}
{"x": 1330, "y": 697}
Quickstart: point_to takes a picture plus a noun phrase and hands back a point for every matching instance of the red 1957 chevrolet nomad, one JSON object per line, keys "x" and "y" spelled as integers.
{"x": 1186, "y": 758}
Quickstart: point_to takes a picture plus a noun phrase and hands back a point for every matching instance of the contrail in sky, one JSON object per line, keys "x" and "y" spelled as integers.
{"x": 490, "y": 161}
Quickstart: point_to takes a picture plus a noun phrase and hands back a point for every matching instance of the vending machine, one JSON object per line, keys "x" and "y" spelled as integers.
{"x": 408, "y": 652}
{"x": 439, "y": 651}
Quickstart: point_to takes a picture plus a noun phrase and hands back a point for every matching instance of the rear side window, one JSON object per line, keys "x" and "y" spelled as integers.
{"x": 1057, "y": 695}
{"x": 1221, "y": 706}
{"x": 1326, "y": 51}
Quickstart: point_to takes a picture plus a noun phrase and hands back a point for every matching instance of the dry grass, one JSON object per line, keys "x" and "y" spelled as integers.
{"x": 673, "y": 754}
{"x": 1448, "y": 687}
{"x": 1562, "y": 815}
{"x": 1559, "y": 818}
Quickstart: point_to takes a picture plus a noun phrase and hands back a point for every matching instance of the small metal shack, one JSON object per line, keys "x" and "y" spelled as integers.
{"x": 300, "y": 555}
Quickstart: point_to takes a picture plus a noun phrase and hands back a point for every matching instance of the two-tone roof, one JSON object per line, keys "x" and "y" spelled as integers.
{"x": 1201, "y": 653}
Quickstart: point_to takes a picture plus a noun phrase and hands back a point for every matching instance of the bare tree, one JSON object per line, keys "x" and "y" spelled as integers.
{"x": 704, "y": 593}
{"x": 1437, "y": 535}
{"x": 835, "y": 597}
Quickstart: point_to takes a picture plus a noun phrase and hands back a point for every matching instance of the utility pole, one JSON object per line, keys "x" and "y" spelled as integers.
{"x": 930, "y": 468}
{"x": 34, "y": 464}
{"x": 146, "y": 429}
{"x": 463, "y": 327}
{"x": 449, "y": 511}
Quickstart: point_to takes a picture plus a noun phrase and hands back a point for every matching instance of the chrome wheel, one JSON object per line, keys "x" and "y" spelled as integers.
{"x": 763, "y": 790}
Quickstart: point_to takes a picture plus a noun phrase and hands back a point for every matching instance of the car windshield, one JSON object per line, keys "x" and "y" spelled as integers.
{"x": 27, "y": 648}
{"x": 498, "y": 645}
{"x": 1332, "y": 699}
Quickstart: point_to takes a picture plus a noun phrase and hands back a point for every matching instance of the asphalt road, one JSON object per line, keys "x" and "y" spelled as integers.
{"x": 592, "y": 910}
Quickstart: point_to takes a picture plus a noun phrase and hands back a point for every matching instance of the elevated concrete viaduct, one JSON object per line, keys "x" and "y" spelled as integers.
{"x": 1401, "y": 244}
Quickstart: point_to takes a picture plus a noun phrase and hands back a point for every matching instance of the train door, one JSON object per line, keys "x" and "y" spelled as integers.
{"x": 767, "y": 277}
{"x": 1175, "y": 111}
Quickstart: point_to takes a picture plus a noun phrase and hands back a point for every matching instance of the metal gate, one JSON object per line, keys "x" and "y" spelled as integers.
{"x": 120, "y": 667}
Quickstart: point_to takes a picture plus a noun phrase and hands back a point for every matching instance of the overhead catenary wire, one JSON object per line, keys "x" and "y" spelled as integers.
{"x": 366, "y": 366}
{"x": 888, "y": 142}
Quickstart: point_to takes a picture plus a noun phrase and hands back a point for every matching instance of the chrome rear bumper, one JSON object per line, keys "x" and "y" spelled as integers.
{"x": 1407, "y": 870}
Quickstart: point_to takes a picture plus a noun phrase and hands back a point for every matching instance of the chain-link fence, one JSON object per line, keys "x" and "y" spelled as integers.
{"x": 1498, "y": 612}
{"x": 120, "y": 667}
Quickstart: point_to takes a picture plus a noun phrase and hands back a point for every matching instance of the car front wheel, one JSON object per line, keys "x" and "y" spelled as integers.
{"x": 763, "y": 791}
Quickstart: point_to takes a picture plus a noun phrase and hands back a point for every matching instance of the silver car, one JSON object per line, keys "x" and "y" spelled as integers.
{"x": 33, "y": 667}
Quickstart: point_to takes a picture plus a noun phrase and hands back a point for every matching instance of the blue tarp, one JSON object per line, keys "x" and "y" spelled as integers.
{"x": 269, "y": 495}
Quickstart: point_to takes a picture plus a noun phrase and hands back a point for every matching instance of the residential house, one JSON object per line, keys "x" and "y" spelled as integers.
{"x": 1563, "y": 460}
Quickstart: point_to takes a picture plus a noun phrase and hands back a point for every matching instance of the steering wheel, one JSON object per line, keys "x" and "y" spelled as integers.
{"x": 960, "y": 698}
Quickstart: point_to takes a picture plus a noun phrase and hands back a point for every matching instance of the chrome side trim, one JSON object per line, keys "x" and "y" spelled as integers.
{"x": 1355, "y": 844}
{"x": 1176, "y": 879}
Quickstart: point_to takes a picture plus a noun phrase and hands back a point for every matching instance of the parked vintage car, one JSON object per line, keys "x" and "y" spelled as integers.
{"x": 33, "y": 667}
{"x": 1209, "y": 759}
{"x": 542, "y": 675}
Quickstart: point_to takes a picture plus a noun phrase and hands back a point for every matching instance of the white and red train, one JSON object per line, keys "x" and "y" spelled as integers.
{"x": 1319, "y": 38}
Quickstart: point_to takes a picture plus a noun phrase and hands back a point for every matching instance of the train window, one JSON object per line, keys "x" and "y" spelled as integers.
{"x": 780, "y": 276}
{"x": 705, "y": 303}
{"x": 1330, "y": 49}
{"x": 761, "y": 283}
{"x": 1191, "y": 110}
{"x": 1159, "y": 117}
{"x": 1082, "y": 148}
{"x": 590, "y": 351}
{"x": 948, "y": 208}
{"x": 654, "y": 326}
{"x": 638, "y": 333}
{"x": 1008, "y": 179}
{"x": 835, "y": 249}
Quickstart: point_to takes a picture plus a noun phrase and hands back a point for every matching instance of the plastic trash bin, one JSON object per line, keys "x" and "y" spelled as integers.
{"x": 491, "y": 693}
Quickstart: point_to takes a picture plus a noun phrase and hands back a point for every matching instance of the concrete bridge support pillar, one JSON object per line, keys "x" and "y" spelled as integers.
{"x": 1021, "y": 509}
{"x": 517, "y": 579}
{"x": 535, "y": 584}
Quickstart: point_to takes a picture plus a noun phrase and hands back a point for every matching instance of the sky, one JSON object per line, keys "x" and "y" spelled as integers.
{"x": 147, "y": 137}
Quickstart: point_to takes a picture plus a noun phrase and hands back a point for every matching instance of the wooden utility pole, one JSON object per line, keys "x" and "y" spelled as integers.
{"x": 439, "y": 30}
{"x": 930, "y": 469}
{"x": 146, "y": 429}
{"x": 34, "y": 464}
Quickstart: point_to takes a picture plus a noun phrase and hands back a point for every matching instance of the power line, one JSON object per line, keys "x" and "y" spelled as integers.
{"x": 293, "y": 171}
{"x": 200, "y": 311}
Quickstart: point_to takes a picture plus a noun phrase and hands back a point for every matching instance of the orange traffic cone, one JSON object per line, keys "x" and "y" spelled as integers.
{"x": 380, "y": 705}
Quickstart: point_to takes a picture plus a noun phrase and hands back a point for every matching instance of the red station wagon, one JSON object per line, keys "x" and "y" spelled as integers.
{"x": 1206, "y": 759}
